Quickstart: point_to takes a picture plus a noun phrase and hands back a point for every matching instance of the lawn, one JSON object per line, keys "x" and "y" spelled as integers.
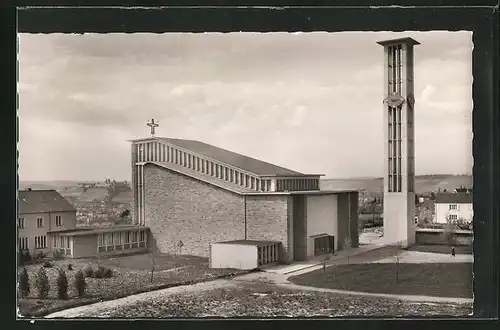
{"x": 131, "y": 275}
{"x": 433, "y": 279}
{"x": 266, "y": 300}
{"x": 445, "y": 249}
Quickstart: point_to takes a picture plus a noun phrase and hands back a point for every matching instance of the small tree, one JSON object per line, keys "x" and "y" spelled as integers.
{"x": 347, "y": 246}
{"x": 42, "y": 283}
{"x": 448, "y": 231}
{"x": 24, "y": 283}
{"x": 79, "y": 283}
{"x": 397, "y": 255}
{"x": 62, "y": 284}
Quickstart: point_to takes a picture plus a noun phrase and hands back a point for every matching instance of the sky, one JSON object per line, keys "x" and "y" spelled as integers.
{"x": 311, "y": 102}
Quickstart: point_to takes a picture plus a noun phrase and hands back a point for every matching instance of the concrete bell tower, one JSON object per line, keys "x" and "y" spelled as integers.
{"x": 399, "y": 146}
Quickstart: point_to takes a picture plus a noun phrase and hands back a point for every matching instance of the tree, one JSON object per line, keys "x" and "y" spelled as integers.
{"x": 398, "y": 247}
{"x": 448, "y": 232}
{"x": 62, "y": 284}
{"x": 24, "y": 283}
{"x": 42, "y": 283}
{"x": 79, "y": 283}
{"x": 347, "y": 245}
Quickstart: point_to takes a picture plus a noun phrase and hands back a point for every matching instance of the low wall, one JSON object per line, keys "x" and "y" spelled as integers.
{"x": 437, "y": 237}
{"x": 237, "y": 256}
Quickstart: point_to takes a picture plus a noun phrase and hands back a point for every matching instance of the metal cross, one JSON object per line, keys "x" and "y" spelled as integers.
{"x": 153, "y": 125}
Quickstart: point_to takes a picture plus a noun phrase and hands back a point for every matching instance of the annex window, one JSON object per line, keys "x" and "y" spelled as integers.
{"x": 20, "y": 223}
{"x": 40, "y": 242}
{"x": 127, "y": 237}
{"x": 39, "y": 222}
{"x": 453, "y": 217}
{"x": 453, "y": 206}
{"x": 58, "y": 221}
{"x": 23, "y": 243}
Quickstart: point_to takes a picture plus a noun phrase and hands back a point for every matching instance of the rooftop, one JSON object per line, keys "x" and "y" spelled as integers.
{"x": 396, "y": 41}
{"x": 450, "y": 198}
{"x": 245, "y": 163}
{"x": 42, "y": 201}
{"x": 249, "y": 242}
{"x": 235, "y": 188}
{"x": 95, "y": 231}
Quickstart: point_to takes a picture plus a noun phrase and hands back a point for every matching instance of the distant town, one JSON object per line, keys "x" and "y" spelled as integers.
{"x": 109, "y": 202}
{"x": 98, "y": 204}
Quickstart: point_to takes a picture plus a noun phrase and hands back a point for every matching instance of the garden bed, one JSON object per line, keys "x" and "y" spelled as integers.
{"x": 430, "y": 279}
{"x": 266, "y": 300}
{"x": 131, "y": 275}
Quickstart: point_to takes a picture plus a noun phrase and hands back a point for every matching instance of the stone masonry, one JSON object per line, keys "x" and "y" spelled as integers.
{"x": 267, "y": 219}
{"x": 181, "y": 208}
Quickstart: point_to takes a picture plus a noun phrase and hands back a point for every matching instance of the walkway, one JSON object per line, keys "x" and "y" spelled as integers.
{"x": 278, "y": 276}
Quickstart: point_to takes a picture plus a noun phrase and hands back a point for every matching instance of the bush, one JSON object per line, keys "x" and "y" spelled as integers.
{"x": 79, "y": 283}
{"x": 57, "y": 255}
{"x": 103, "y": 272}
{"x": 48, "y": 264}
{"x": 70, "y": 266}
{"x": 40, "y": 255}
{"x": 24, "y": 283}
{"x": 88, "y": 271}
{"x": 62, "y": 285}
{"x": 42, "y": 284}
{"x": 24, "y": 257}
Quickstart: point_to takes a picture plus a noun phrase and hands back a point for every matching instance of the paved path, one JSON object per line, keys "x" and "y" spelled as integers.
{"x": 367, "y": 254}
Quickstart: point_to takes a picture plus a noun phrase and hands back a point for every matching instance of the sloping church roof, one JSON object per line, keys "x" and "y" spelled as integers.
{"x": 42, "y": 201}
{"x": 246, "y": 163}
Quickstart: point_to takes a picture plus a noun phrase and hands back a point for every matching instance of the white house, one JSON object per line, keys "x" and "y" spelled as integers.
{"x": 453, "y": 207}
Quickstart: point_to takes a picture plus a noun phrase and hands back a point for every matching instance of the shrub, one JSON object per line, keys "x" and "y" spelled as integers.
{"x": 42, "y": 284}
{"x": 24, "y": 257}
{"x": 40, "y": 255}
{"x": 48, "y": 264}
{"x": 57, "y": 255}
{"x": 79, "y": 283}
{"x": 103, "y": 272}
{"x": 62, "y": 285}
{"x": 70, "y": 267}
{"x": 88, "y": 271}
{"x": 24, "y": 283}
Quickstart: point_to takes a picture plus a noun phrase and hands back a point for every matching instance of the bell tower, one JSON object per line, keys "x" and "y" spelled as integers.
{"x": 399, "y": 145}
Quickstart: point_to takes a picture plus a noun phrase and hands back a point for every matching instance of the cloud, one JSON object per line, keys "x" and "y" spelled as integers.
{"x": 311, "y": 102}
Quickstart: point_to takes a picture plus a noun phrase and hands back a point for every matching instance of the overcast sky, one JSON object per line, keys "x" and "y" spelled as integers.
{"x": 311, "y": 102}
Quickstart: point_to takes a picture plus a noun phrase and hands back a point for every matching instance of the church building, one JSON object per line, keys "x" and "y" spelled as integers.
{"x": 192, "y": 195}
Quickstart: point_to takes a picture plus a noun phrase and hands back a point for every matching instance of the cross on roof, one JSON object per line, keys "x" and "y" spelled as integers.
{"x": 153, "y": 125}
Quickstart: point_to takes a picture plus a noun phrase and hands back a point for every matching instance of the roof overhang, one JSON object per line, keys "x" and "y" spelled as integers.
{"x": 407, "y": 40}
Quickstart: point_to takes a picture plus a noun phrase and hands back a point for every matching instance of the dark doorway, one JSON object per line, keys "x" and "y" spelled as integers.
{"x": 299, "y": 228}
{"x": 323, "y": 245}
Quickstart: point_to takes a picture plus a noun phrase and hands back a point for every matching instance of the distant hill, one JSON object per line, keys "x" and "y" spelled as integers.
{"x": 424, "y": 183}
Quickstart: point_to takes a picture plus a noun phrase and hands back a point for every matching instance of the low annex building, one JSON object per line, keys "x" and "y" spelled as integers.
{"x": 192, "y": 195}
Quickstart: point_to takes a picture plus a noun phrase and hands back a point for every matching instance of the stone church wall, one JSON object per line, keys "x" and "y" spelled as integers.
{"x": 180, "y": 208}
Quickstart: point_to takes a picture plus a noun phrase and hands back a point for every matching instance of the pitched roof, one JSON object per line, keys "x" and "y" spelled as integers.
{"x": 42, "y": 201}
{"x": 246, "y": 163}
{"x": 450, "y": 198}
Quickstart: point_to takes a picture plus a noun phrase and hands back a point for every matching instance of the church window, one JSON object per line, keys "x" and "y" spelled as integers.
{"x": 39, "y": 222}
{"x": 134, "y": 236}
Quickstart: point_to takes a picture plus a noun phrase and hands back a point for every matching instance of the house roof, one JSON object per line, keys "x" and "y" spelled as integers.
{"x": 42, "y": 201}
{"x": 450, "y": 198}
{"x": 245, "y": 163}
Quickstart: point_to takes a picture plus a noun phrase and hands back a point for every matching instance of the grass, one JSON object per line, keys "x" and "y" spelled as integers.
{"x": 445, "y": 249}
{"x": 432, "y": 279}
{"x": 247, "y": 299}
{"x": 131, "y": 275}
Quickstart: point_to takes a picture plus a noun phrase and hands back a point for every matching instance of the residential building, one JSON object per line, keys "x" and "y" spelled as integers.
{"x": 453, "y": 207}
{"x": 40, "y": 213}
